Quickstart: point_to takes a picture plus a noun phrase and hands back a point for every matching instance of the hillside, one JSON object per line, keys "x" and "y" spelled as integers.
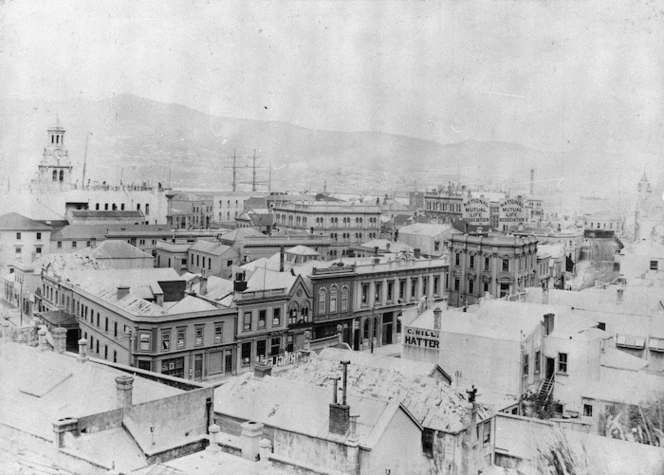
{"x": 136, "y": 139}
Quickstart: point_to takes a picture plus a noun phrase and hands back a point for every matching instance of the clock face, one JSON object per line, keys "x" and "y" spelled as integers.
{"x": 58, "y": 153}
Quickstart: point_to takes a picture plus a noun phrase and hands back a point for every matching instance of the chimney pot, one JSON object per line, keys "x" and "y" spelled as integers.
{"x": 620, "y": 295}
{"x": 281, "y": 258}
{"x": 203, "y": 285}
{"x": 124, "y": 389}
{"x": 82, "y": 350}
{"x": 59, "y": 339}
{"x": 417, "y": 251}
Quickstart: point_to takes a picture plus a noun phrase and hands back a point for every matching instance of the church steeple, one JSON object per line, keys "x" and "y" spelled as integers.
{"x": 644, "y": 185}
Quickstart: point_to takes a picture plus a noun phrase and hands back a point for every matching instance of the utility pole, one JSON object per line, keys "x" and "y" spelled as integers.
{"x": 234, "y": 167}
{"x": 20, "y": 302}
{"x": 85, "y": 157}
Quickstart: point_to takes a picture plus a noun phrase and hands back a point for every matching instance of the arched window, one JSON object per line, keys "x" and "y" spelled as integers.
{"x": 62, "y": 175}
{"x": 366, "y": 329}
{"x": 333, "y": 299}
{"x": 55, "y": 175}
{"x": 322, "y": 295}
{"x": 344, "y": 299}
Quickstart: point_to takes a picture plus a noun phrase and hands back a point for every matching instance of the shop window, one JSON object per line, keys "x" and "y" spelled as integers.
{"x": 246, "y": 354}
{"x": 276, "y": 345}
{"x": 144, "y": 339}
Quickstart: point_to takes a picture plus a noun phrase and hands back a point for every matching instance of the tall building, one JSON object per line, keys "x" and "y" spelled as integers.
{"x": 345, "y": 223}
{"x": 500, "y": 265}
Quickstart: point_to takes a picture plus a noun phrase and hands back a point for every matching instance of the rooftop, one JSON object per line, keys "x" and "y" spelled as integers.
{"x": 18, "y": 222}
{"x": 83, "y": 213}
{"x": 38, "y": 388}
{"x": 297, "y": 407}
{"x": 301, "y": 250}
{"x": 430, "y": 400}
{"x": 427, "y": 229}
{"x": 114, "y": 250}
{"x": 210, "y": 247}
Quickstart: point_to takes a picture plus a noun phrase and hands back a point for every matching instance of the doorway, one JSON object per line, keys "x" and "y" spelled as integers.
{"x": 198, "y": 367}
{"x": 550, "y": 367}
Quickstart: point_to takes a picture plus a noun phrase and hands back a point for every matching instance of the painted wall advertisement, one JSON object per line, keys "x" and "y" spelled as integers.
{"x": 511, "y": 212}
{"x": 476, "y": 211}
{"x": 422, "y": 338}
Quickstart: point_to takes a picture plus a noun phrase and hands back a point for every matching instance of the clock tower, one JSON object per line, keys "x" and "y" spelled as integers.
{"x": 55, "y": 167}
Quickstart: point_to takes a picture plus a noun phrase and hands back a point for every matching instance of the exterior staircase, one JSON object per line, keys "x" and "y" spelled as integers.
{"x": 545, "y": 390}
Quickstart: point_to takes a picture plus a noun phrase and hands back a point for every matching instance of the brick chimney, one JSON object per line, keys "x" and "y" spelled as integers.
{"x": 59, "y": 339}
{"x": 123, "y": 291}
{"x": 437, "y": 312}
{"x": 340, "y": 413}
{"x": 124, "y": 387}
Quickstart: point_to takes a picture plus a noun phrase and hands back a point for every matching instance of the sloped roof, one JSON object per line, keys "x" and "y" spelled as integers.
{"x": 426, "y": 398}
{"x": 295, "y": 406}
{"x": 191, "y": 304}
{"x": 82, "y": 232}
{"x": 615, "y": 358}
{"x": 115, "y": 250}
{"x": 382, "y": 245}
{"x": 301, "y": 250}
{"x": 267, "y": 279}
{"x": 173, "y": 247}
{"x": 426, "y": 229}
{"x": 239, "y": 234}
{"x": 210, "y": 247}
{"x": 18, "y": 222}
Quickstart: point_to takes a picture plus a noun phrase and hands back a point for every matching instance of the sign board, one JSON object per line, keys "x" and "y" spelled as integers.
{"x": 476, "y": 211}
{"x": 422, "y": 338}
{"x": 511, "y": 212}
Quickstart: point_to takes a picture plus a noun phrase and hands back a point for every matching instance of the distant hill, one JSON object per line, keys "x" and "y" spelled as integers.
{"x": 138, "y": 140}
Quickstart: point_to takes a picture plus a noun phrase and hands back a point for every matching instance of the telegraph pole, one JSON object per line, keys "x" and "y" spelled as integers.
{"x": 234, "y": 167}
{"x": 253, "y": 177}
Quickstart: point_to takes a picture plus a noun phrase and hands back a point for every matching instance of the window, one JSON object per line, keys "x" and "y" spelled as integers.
{"x": 487, "y": 263}
{"x": 261, "y": 348}
{"x": 166, "y": 340}
{"x": 38, "y": 236}
{"x": 457, "y": 259}
{"x": 218, "y": 332}
{"x": 436, "y": 245}
{"x": 106, "y": 325}
{"x": 588, "y": 410}
{"x": 562, "y": 362}
{"x": 276, "y": 316}
{"x": 262, "y": 317}
{"x": 402, "y": 289}
{"x": 456, "y": 284}
{"x": 365, "y": 293}
{"x": 471, "y": 286}
{"x": 115, "y": 356}
{"x": 247, "y": 321}
{"x": 181, "y": 338}
{"x": 18, "y": 236}
{"x": 506, "y": 265}
{"x": 413, "y": 288}
{"x": 59, "y": 245}
{"x": 487, "y": 432}
{"x": 379, "y": 292}
{"x": 472, "y": 262}
{"x": 198, "y": 341}
{"x": 172, "y": 367}
{"x": 653, "y": 264}
{"x": 427, "y": 442}
{"x": 321, "y": 300}
{"x": 144, "y": 341}
{"x": 38, "y": 250}
{"x": 246, "y": 354}
{"x": 105, "y": 352}
{"x": 276, "y": 346}
{"x": 436, "y": 285}
{"x": 344, "y": 299}
{"x": 538, "y": 361}
{"x": 525, "y": 365}
{"x": 333, "y": 299}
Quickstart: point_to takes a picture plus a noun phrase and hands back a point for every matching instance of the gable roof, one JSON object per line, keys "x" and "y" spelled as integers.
{"x": 191, "y": 304}
{"x": 18, "y": 222}
{"x": 209, "y": 247}
{"x": 239, "y": 234}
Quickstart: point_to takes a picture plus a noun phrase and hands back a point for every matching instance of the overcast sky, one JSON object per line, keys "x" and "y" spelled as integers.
{"x": 550, "y": 75}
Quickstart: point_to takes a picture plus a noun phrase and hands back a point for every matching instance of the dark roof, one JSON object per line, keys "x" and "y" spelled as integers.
{"x": 59, "y": 318}
{"x": 82, "y": 213}
{"x": 18, "y": 222}
{"x": 402, "y": 219}
{"x": 81, "y": 232}
{"x": 255, "y": 202}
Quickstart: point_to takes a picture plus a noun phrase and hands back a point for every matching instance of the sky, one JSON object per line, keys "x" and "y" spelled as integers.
{"x": 551, "y": 75}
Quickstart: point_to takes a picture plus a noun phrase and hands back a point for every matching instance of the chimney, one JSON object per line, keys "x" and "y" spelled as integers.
{"x": 620, "y": 296}
{"x": 417, "y": 252}
{"x": 252, "y": 433}
{"x": 239, "y": 284}
{"x": 281, "y": 258}
{"x": 375, "y": 250}
{"x": 340, "y": 413}
{"x": 59, "y": 339}
{"x": 43, "y": 343}
{"x": 202, "y": 287}
{"x": 82, "y": 350}
{"x": 123, "y": 387}
{"x": 387, "y": 246}
{"x": 548, "y": 323}
{"x": 123, "y": 291}
{"x": 437, "y": 312}
{"x": 545, "y": 295}
{"x": 262, "y": 369}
